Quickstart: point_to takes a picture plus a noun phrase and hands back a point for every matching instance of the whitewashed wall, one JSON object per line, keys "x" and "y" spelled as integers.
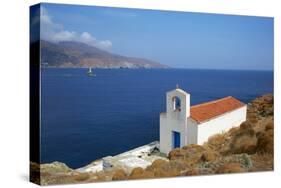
{"x": 221, "y": 124}
{"x": 191, "y": 132}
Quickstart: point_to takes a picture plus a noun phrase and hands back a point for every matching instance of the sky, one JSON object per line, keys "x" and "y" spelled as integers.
{"x": 177, "y": 39}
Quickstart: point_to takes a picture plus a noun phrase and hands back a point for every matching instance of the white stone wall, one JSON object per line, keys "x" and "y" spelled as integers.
{"x": 191, "y": 131}
{"x": 221, "y": 124}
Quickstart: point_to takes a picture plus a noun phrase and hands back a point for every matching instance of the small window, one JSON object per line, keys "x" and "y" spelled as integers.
{"x": 177, "y": 103}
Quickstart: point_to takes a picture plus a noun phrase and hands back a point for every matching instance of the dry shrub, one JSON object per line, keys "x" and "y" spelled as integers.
{"x": 270, "y": 111}
{"x": 216, "y": 139}
{"x": 193, "y": 153}
{"x": 230, "y": 168}
{"x": 139, "y": 173}
{"x": 269, "y": 126}
{"x": 160, "y": 172}
{"x": 179, "y": 165}
{"x": 252, "y": 118}
{"x": 265, "y": 142}
{"x": 146, "y": 175}
{"x": 263, "y": 106}
{"x": 233, "y": 130}
{"x": 192, "y": 172}
{"x": 136, "y": 173}
{"x": 170, "y": 169}
{"x": 193, "y": 148}
{"x": 218, "y": 142}
{"x": 81, "y": 177}
{"x": 119, "y": 175}
{"x": 199, "y": 171}
{"x": 158, "y": 163}
{"x": 246, "y": 126}
{"x": 177, "y": 153}
{"x": 262, "y": 162}
{"x": 245, "y": 141}
{"x": 208, "y": 156}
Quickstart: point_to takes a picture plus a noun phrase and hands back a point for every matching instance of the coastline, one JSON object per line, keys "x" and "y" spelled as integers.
{"x": 247, "y": 148}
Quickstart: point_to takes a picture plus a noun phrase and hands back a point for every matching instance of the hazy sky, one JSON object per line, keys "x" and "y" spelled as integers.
{"x": 177, "y": 39}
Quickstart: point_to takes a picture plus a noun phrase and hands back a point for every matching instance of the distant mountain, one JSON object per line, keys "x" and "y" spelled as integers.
{"x": 77, "y": 54}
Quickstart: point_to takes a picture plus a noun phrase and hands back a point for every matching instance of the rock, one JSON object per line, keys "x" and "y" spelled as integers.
{"x": 55, "y": 167}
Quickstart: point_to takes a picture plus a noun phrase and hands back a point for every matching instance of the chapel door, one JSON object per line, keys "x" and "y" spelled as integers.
{"x": 176, "y": 139}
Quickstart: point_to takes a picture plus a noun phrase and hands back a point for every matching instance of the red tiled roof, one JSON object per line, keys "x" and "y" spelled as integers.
{"x": 209, "y": 110}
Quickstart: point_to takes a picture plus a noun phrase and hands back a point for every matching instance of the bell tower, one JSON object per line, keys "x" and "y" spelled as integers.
{"x": 178, "y": 102}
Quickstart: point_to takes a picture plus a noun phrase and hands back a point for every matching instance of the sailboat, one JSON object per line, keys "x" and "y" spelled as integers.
{"x": 90, "y": 73}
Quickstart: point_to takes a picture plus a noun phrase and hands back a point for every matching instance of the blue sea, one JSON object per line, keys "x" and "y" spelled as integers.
{"x": 86, "y": 118}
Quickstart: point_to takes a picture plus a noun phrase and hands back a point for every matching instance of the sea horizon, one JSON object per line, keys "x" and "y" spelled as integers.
{"x": 176, "y": 68}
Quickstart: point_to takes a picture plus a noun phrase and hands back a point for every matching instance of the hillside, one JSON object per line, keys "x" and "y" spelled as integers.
{"x": 247, "y": 148}
{"x": 76, "y": 54}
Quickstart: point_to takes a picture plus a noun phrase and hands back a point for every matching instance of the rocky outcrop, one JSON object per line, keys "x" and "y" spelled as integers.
{"x": 55, "y": 167}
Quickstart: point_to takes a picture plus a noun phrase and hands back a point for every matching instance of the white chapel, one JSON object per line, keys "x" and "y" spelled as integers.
{"x": 183, "y": 124}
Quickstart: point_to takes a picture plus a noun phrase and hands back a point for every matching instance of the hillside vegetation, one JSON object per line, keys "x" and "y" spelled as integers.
{"x": 247, "y": 148}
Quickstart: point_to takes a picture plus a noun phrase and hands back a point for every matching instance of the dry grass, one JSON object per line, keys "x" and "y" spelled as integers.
{"x": 119, "y": 175}
{"x": 157, "y": 163}
{"x": 244, "y": 141}
{"x": 230, "y": 168}
{"x": 136, "y": 173}
{"x": 265, "y": 142}
{"x": 208, "y": 156}
{"x": 81, "y": 177}
{"x": 262, "y": 162}
{"x": 216, "y": 142}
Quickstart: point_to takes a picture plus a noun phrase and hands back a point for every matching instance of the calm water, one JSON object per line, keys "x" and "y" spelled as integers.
{"x": 86, "y": 118}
